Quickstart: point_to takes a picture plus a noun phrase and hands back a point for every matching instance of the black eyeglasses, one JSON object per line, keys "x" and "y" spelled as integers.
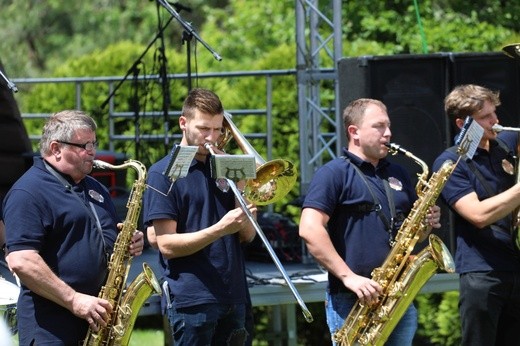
{"x": 87, "y": 146}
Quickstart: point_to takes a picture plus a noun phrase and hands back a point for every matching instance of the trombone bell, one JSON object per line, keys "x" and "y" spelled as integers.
{"x": 512, "y": 50}
{"x": 274, "y": 179}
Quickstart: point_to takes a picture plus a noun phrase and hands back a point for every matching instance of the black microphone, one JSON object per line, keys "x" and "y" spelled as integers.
{"x": 179, "y": 7}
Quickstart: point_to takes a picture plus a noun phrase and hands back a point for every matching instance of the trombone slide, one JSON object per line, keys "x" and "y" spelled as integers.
{"x": 243, "y": 205}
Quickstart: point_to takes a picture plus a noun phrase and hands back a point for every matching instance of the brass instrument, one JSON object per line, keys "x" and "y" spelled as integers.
{"x": 515, "y": 227}
{"x": 401, "y": 275}
{"x": 512, "y": 50}
{"x": 125, "y": 303}
{"x": 500, "y": 128}
{"x": 273, "y": 181}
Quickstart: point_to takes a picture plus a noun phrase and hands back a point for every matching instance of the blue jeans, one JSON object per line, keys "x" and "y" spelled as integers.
{"x": 208, "y": 324}
{"x": 338, "y": 306}
{"x": 489, "y": 307}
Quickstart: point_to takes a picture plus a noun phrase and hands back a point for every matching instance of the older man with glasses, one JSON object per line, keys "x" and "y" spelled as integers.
{"x": 61, "y": 226}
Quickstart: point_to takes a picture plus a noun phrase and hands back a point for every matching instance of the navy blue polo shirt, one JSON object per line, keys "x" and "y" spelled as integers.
{"x": 214, "y": 274}
{"x": 360, "y": 238}
{"x": 42, "y": 214}
{"x": 490, "y": 248}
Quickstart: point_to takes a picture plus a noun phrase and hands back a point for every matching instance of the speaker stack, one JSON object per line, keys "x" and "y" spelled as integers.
{"x": 14, "y": 141}
{"x": 413, "y": 87}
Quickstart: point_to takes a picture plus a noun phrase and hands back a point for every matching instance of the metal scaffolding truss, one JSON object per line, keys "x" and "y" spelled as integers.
{"x": 319, "y": 48}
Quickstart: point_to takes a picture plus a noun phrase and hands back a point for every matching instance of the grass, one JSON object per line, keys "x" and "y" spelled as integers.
{"x": 150, "y": 337}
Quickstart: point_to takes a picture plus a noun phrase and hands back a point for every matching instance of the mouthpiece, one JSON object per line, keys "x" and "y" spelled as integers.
{"x": 208, "y": 146}
{"x": 497, "y": 128}
{"x": 100, "y": 164}
{"x": 396, "y": 148}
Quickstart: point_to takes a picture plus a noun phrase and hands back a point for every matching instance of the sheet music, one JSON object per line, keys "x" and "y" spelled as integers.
{"x": 469, "y": 137}
{"x": 180, "y": 162}
{"x": 234, "y": 167}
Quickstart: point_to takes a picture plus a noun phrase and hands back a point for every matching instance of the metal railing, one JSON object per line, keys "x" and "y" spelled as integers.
{"x": 112, "y": 82}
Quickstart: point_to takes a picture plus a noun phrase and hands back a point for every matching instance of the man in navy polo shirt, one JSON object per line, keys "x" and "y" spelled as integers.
{"x": 483, "y": 194}
{"x": 342, "y": 225}
{"x": 199, "y": 229}
{"x": 61, "y": 226}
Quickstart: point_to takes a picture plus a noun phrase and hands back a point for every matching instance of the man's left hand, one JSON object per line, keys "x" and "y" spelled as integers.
{"x": 137, "y": 244}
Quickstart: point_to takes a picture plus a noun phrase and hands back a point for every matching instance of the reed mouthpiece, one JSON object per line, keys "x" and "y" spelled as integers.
{"x": 99, "y": 164}
{"x": 396, "y": 148}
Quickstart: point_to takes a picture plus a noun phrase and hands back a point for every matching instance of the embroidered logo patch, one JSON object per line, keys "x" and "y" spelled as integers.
{"x": 395, "y": 183}
{"x": 96, "y": 196}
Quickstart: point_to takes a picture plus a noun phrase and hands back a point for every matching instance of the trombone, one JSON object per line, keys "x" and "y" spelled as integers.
{"x": 516, "y": 213}
{"x": 500, "y": 128}
{"x": 274, "y": 179}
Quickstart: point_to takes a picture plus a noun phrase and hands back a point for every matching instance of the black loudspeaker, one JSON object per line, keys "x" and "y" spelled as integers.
{"x": 413, "y": 88}
{"x": 495, "y": 71}
{"x": 14, "y": 141}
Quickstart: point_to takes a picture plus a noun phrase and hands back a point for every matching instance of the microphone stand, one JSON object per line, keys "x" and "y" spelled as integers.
{"x": 186, "y": 37}
{"x": 134, "y": 65}
{"x": 134, "y": 70}
{"x": 10, "y": 84}
{"x": 165, "y": 84}
{"x": 135, "y": 108}
{"x": 188, "y": 28}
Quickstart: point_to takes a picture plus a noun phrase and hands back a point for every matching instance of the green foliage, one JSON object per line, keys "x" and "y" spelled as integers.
{"x": 243, "y": 33}
{"x": 460, "y": 26}
{"x": 439, "y": 318}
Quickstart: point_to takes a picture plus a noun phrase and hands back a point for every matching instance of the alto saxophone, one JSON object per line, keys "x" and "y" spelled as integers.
{"x": 125, "y": 303}
{"x": 401, "y": 275}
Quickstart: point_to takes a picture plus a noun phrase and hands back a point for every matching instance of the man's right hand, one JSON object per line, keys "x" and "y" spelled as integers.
{"x": 235, "y": 219}
{"x": 367, "y": 290}
{"x": 95, "y": 310}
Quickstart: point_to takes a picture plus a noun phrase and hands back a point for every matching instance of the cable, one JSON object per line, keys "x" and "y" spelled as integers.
{"x": 421, "y": 29}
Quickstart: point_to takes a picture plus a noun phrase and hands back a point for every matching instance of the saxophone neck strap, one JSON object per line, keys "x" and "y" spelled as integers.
{"x": 389, "y": 224}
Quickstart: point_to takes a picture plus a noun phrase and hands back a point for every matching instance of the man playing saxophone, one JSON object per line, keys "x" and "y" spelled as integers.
{"x": 199, "y": 228}
{"x": 353, "y": 208}
{"x": 61, "y": 226}
{"x": 483, "y": 194}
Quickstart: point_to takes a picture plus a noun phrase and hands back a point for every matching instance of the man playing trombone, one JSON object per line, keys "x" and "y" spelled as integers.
{"x": 483, "y": 195}
{"x": 199, "y": 229}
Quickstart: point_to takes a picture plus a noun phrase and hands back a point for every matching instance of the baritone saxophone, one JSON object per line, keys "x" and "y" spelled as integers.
{"x": 126, "y": 302}
{"x": 401, "y": 275}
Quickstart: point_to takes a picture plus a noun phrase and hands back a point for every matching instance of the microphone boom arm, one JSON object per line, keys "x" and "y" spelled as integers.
{"x": 188, "y": 28}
